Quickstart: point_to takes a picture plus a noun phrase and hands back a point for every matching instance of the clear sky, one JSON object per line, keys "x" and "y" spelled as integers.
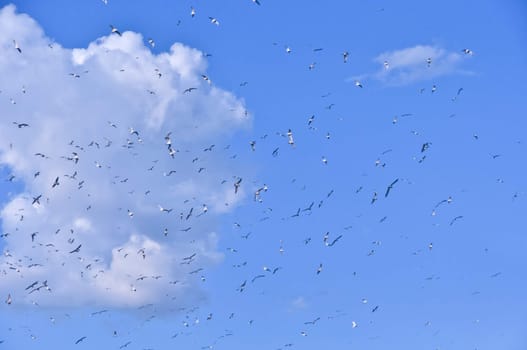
{"x": 271, "y": 175}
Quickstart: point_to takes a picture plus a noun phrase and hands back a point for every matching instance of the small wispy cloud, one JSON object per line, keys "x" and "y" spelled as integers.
{"x": 417, "y": 63}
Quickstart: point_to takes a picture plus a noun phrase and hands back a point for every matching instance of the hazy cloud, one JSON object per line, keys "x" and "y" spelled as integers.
{"x": 421, "y": 62}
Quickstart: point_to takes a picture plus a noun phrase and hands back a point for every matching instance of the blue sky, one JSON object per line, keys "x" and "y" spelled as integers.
{"x": 436, "y": 264}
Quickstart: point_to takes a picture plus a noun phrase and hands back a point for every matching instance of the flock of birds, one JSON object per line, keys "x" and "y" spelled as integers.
{"x": 187, "y": 213}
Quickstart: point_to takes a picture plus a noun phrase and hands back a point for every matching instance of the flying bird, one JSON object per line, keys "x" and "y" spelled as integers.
{"x": 55, "y": 183}
{"x": 214, "y": 21}
{"x": 17, "y": 47}
{"x": 358, "y": 84}
{"x": 76, "y": 250}
{"x": 80, "y": 340}
{"x": 389, "y": 188}
{"x": 115, "y": 30}
{"x": 345, "y": 56}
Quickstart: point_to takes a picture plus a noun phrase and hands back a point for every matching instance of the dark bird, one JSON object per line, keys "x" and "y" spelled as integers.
{"x": 190, "y": 89}
{"x": 21, "y": 125}
{"x": 425, "y": 146}
{"x": 390, "y": 187}
{"x": 80, "y": 339}
{"x": 36, "y": 199}
{"x": 55, "y": 183}
{"x": 313, "y": 322}
{"x": 237, "y": 185}
{"x": 76, "y": 250}
{"x": 455, "y": 219}
{"x": 334, "y": 241}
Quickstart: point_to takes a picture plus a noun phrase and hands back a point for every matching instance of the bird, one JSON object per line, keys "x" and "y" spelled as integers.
{"x": 80, "y": 340}
{"x": 290, "y": 138}
{"x": 192, "y": 12}
{"x": 345, "y": 56}
{"x": 152, "y": 42}
{"x": 9, "y": 300}
{"x": 389, "y": 188}
{"x": 237, "y": 185}
{"x": 55, "y": 183}
{"x": 467, "y": 52}
{"x": 214, "y": 21}
{"x": 190, "y": 89}
{"x": 76, "y": 250}
{"x": 334, "y": 241}
{"x": 319, "y": 269}
{"x": 115, "y": 30}
{"x": 386, "y": 65}
{"x": 36, "y": 200}
{"x": 358, "y": 84}
{"x": 257, "y": 2}
{"x": 455, "y": 219}
{"x": 17, "y": 47}
{"x": 374, "y": 198}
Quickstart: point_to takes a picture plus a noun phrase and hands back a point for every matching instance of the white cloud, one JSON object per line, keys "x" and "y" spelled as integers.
{"x": 421, "y": 62}
{"x": 71, "y": 100}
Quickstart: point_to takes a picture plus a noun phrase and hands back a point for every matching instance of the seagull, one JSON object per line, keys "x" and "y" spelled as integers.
{"x": 425, "y": 146}
{"x": 324, "y": 160}
{"x": 9, "y": 300}
{"x": 36, "y": 199}
{"x": 334, "y": 241}
{"x": 55, "y": 183}
{"x": 214, "y": 21}
{"x": 390, "y": 187}
{"x": 288, "y": 49}
{"x": 386, "y": 65}
{"x": 76, "y": 250}
{"x": 313, "y": 322}
{"x": 319, "y": 269}
{"x": 192, "y": 12}
{"x": 115, "y": 30}
{"x": 151, "y": 42}
{"x": 290, "y": 138}
{"x": 256, "y": 2}
{"x": 374, "y": 198}
{"x": 345, "y": 56}
{"x": 467, "y": 52}
{"x": 80, "y": 339}
{"x": 237, "y": 185}
{"x": 455, "y": 219}
{"x": 190, "y": 89}
{"x": 358, "y": 84}
{"x": 17, "y": 47}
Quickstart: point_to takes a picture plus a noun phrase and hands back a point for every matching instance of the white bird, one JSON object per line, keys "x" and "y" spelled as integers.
{"x": 467, "y": 52}
{"x": 256, "y": 2}
{"x": 358, "y": 84}
{"x": 214, "y": 21}
{"x": 17, "y": 47}
{"x": 324, "y": 160}
{"x": 192, "y": 12}
{"x": 290, "y": 138}
{"x": 386, "y": 65}
{"x": 353, "y": 324}
{"x": 115, "y": 30}
{"x": 9, "y": 300}
{"x": 151, "y": 42}
{"x": 288, "y": 49}
{"x": 345, "y": 56}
